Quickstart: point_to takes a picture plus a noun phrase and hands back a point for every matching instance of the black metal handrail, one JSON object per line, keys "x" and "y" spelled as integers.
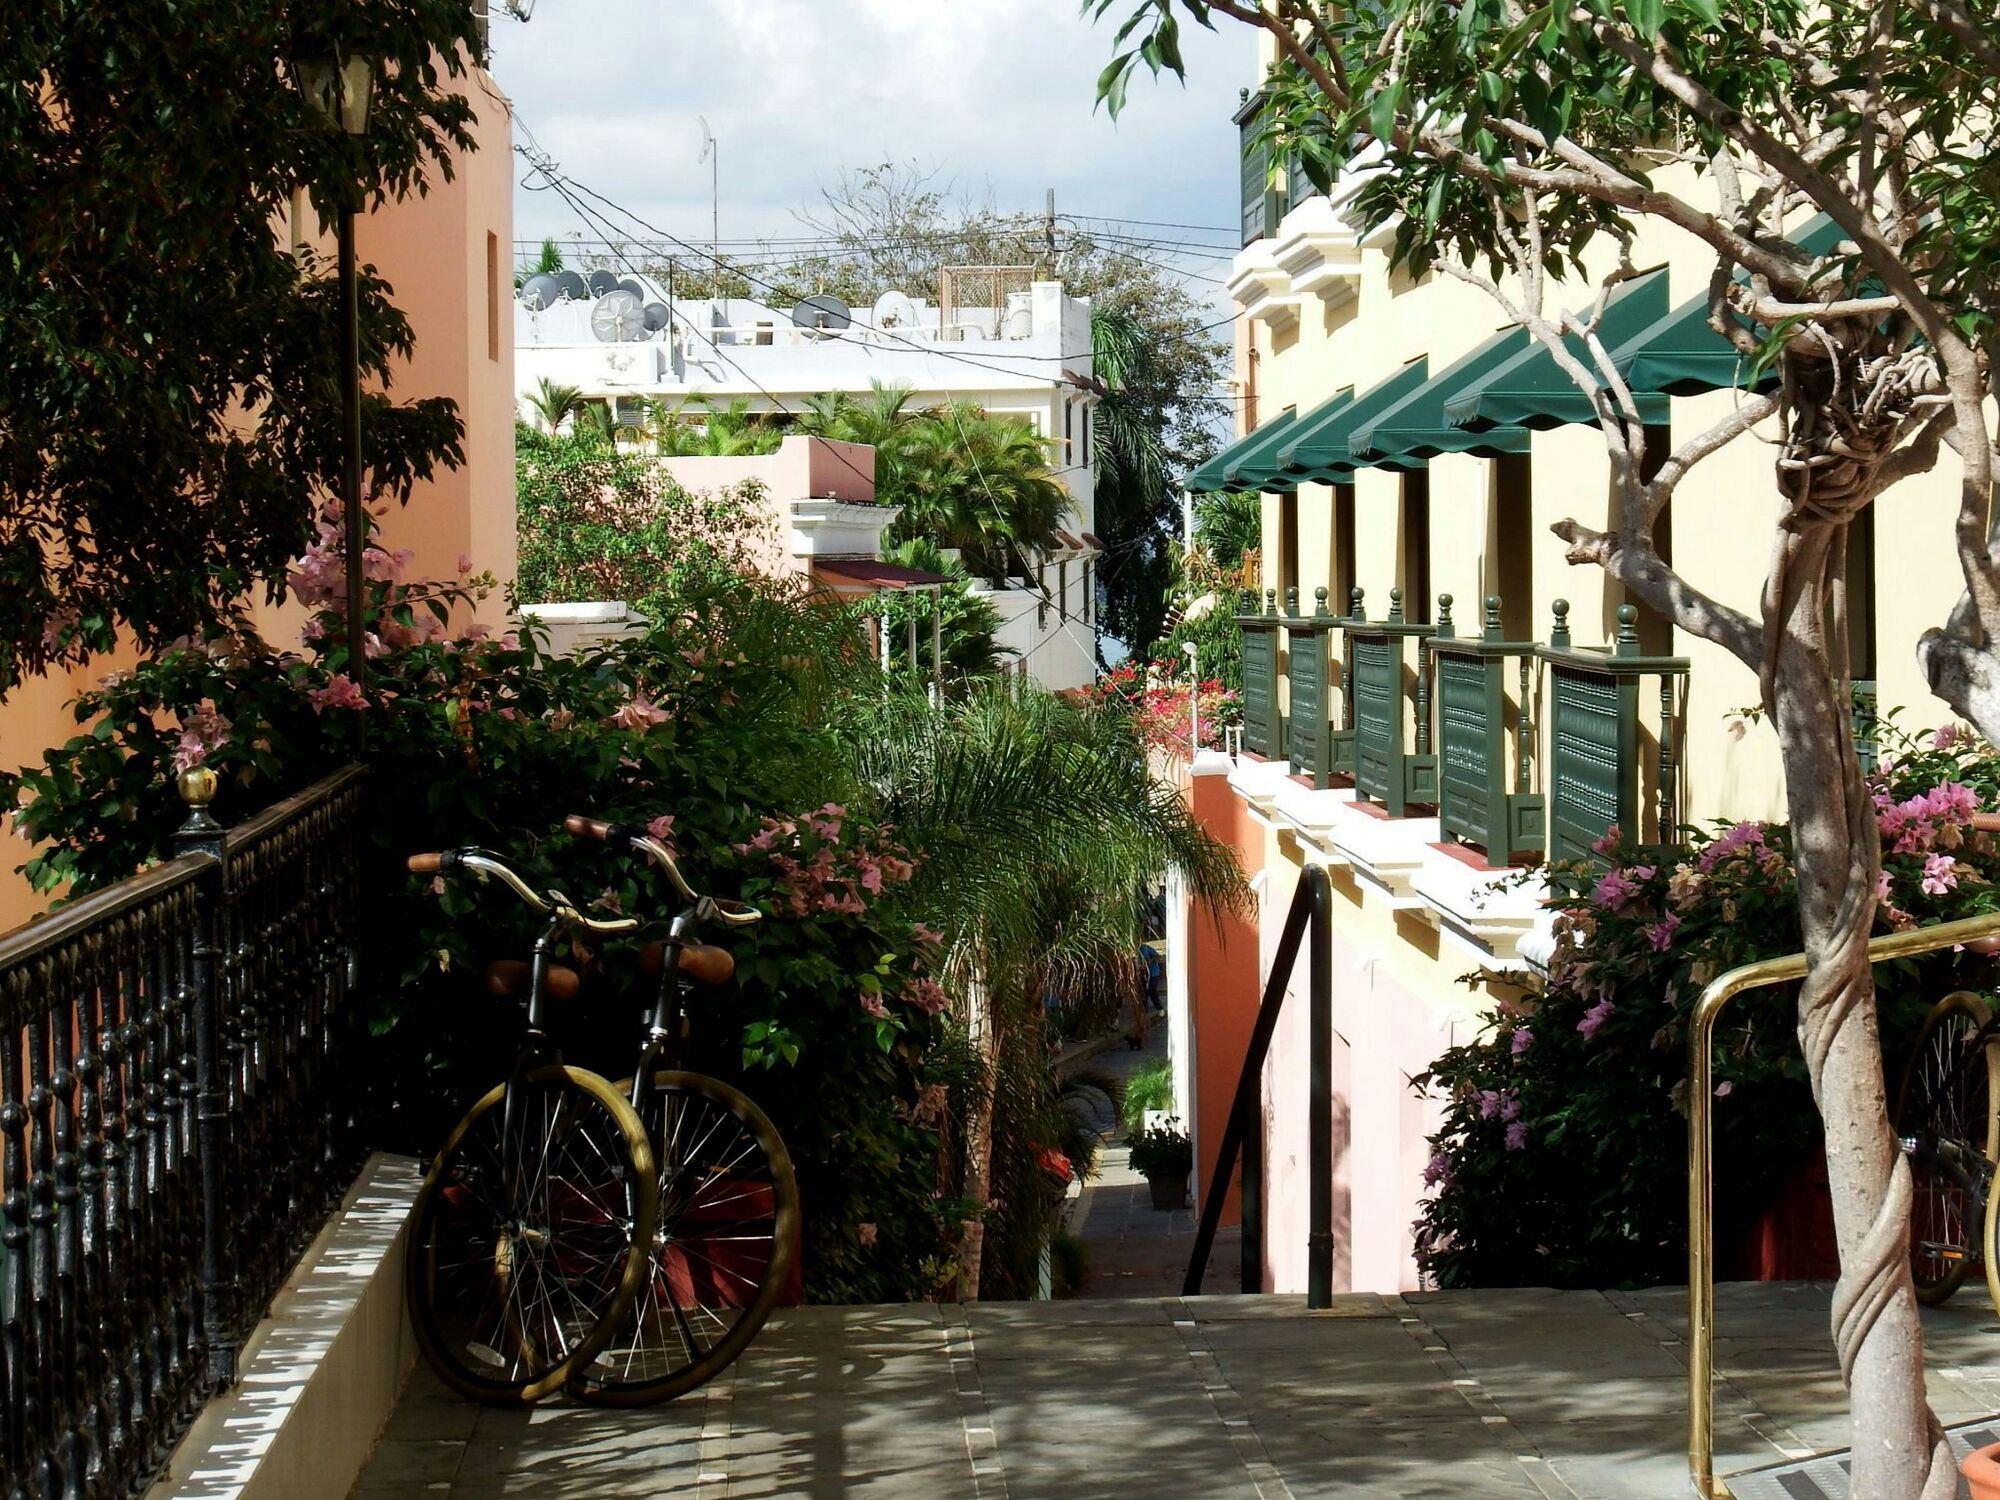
{"x": 1311, "y": 912}
{"x": 171, "y": 1051}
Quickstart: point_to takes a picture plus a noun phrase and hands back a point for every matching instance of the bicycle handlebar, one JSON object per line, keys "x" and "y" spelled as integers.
{"x": 731, "y": 913}
{"x": 483, "y": 864}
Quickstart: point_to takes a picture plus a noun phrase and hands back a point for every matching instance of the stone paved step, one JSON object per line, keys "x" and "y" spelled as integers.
{"x": 1462, "y": 1394}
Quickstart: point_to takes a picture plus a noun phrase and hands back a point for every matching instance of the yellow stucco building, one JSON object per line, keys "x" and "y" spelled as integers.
{"x": 1407, "y": 437}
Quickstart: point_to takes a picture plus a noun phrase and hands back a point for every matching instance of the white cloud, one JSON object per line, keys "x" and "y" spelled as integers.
{"x": 993, "y": 93}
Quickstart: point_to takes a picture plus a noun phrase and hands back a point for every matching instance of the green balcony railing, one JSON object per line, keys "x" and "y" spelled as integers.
{"x": 1377, "y": 661}
{"x": 1867, "y": 726}
{"x": 1263, "y": 720}
{"x": 1474, "y": 804}
{"x": 1593, "y": 765}
{"x": 1313, "y": 740}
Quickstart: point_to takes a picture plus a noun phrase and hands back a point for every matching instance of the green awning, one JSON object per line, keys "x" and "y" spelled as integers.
{"x": 1532, "y": 390}
{"x": 1253, "y": 467}
{"x": 1680, "y": 355}
{"x": 1415, "y": 427}
{"x": 1320, "y": 452}
{"x": 1214, "y": 475}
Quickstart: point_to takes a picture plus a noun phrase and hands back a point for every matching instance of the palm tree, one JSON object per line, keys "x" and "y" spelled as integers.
{"x": 885, "y": 421}
{"x": 556, "y": 404}
{"x": 711, "y": 431}
{"x": 1043, "y": 834}
{"x": 1229, "y": 524}
{"x": 1129, "y": 463}
{"x": 982, "y": 484}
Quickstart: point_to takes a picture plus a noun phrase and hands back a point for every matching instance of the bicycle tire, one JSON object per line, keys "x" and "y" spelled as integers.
{"x": 1942, "y": 1095}
{"x": 653, "y": 1357}
{"x": 465, "y": 1242}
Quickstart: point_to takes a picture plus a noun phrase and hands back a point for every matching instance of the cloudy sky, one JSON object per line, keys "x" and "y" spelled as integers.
{"x": 995, "y": 94}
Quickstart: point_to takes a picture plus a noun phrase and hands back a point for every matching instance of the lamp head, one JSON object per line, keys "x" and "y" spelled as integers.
{"x": 338, "y": 89}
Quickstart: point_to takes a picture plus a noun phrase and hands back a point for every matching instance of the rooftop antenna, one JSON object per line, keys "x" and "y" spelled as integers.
{"x": 711, "y": 152}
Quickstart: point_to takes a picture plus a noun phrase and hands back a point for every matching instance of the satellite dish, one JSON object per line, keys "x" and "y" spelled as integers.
{"x": 656, "y": 316}
{"x": 893, "y": 310}
{"x": 617, "y": 318}
{"x": 601, "y": 282}
{"x": 570, "y": 285}
{"x": 631, "y": 284}
{"x": 540, "y": 291}
{"x": 822, "y": 314}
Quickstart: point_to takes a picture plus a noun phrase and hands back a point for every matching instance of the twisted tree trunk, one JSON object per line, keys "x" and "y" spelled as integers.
{"x": 1900, "y": 1452}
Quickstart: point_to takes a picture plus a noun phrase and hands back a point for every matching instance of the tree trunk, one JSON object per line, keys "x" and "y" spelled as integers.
{"x": 1899, "y": 1450}
{"x": 984, "y": 1025}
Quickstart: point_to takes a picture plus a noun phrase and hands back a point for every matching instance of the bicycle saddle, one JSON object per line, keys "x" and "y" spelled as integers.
{"x": 509, "y": 979}
{"x": 699, "y": 961}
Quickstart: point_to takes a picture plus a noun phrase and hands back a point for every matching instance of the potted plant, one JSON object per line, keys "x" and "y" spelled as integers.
{"x": 1164, "y": 1155}
{"x": 1981, "y": 1469}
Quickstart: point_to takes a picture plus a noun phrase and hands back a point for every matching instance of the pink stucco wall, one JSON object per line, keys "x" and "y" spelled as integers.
{"x": 802, "y": 468}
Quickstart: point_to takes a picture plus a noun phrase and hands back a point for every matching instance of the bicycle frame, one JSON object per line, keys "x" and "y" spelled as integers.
{"x": 535, "y": 1050}
{"x": 663, "y": 1029}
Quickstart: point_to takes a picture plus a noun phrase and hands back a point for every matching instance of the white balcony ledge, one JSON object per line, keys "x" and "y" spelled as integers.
{"x": 1260, "y": 286}
{"x": 1493, "y": 917}
{"x": 1316, "y": 250}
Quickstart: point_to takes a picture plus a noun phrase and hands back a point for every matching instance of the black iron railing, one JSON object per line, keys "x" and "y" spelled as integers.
{"x": 172, "y": 1131}
{"x": 1311, "y": 915}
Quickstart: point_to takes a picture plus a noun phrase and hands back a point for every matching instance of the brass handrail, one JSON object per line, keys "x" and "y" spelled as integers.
{"x": 1701, "y": 1166}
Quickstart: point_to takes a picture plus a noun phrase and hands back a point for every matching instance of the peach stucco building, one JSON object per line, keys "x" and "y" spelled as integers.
{"x": 447, "y": 256}
{"x": 1333, "y": 345}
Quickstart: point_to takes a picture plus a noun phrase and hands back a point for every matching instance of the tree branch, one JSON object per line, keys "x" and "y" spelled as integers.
{"x": 1657, "y": 585}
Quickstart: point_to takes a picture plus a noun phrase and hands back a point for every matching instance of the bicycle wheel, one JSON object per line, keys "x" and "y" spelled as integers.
{"x": 723, "y": 1250}
{"x": 1945, "y": 1115}
{"x": 515, "y": 1278}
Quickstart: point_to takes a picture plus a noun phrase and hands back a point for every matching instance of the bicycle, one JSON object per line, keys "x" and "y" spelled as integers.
{"x": 529, "y": 1239}
{"x": 1948, "y": 1123}
{"x": 726, "y": 1240}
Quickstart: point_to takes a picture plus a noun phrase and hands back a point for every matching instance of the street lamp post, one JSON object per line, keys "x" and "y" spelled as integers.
{"x": 340, "y": 90}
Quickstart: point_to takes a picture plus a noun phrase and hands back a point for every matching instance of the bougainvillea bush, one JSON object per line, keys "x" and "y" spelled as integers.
{"x": 1160, "y": 707}
{"x": 710, "y": 727}
{"x": 1562, "y": 1159}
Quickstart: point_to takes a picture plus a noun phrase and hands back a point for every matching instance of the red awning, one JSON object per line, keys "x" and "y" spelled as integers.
{"x": 861, "y": 572}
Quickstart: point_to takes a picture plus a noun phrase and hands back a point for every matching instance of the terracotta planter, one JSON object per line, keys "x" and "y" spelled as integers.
{"x": 1168, "y": 1192}
{"x": 1982, "y": 1471}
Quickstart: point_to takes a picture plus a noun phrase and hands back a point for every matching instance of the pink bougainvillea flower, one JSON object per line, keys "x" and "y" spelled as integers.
{"x": 926, "y": 995}
{"x": 202, "y": 731}
{"x": 1609, "y": 841}
{"x": 1617, "y": 889}
{"x": 872, "y": 1003}
{"x": 464, "y": 562}
{"x": 1882, "y": 886}
{"x": 1661, "y": 933}
{"x": 1517, "y": 1136}
{"x": 1438, "y": 1170}
{"x": 1523, "y": 1040}
{"x": 1940, "y": 874}
{"x": 928, "y": 937}
{"x": 639, "y": 713}
{"x": 1743, "y": 838}
{"x": 1594, "y": 1019}
{"x": 340, "y": 691}
{"x": 865, "y": 1235}
{"x": 662, "y": 827}
{"x": 1947, "y": 737}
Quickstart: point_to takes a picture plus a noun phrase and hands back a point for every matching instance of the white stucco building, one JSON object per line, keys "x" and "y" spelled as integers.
{"x": 1017, "y": 347}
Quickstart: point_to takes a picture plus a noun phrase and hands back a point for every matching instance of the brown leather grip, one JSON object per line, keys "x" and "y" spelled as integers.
{"x": 587, "y": 828}
{"x": 426, "y": 864}
{"x": 707, "y": 965}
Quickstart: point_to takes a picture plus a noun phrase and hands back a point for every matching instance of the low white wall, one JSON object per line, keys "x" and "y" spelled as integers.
{"x": 319, "y": 1376}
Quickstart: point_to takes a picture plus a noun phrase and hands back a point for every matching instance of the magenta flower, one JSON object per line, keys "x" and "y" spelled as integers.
{"x": 1615, "y": 890}
{"x": 1661, "y": 933}
{"x": 925, "y": 995}
{"x": 1609, "y": 841}
{"x": 1743, "y": 838}
{"x": 1523, "y": 1040}
{"x": 1517, "y": 1136}
{"x": 1947, "y": 737}
{"x": 872, "y": 1003}
{"x": 1438, "y": 1170}
{"x": 1594, "y": 1019}
{"x": 662, "y": 827}
{"x": 202, "y": 731}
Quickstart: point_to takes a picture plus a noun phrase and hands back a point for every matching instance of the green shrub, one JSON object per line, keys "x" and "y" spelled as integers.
{"x": 711, "y": 726}
{"x": 1069, "y": 1264}
{"x": 1151, "y": 1086}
